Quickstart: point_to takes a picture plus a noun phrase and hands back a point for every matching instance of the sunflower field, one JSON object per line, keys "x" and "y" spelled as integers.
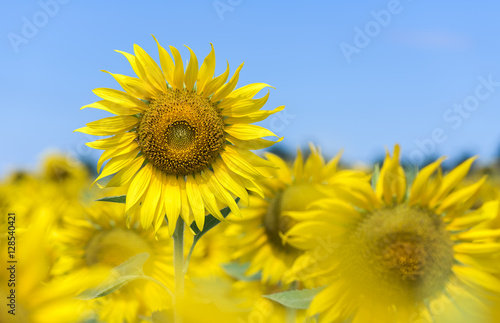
{"x": 195, "y": 211}
{"x": 190, "y": 225}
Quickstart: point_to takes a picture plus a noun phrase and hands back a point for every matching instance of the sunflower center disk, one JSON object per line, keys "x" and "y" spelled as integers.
{"x": 401, "y": 253}
{"x": 275, "y": 223}
{"x": 113, "y": 247}
{"x": 181, "y": 133}
{"x": 293, "y": 198}
{"x": 405, "y": 258}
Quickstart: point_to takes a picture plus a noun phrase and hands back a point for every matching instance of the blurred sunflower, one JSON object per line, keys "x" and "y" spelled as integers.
{"x": 415, "y": 255}
{"x": 243, "y": 300}
{"x": 58, "y": 186}
{"x": 38, "y": 296}
{"x": 259, "y": 236}
{"x": 103, "y": 240}
{"x": 181, "y": 138}
{"x": 210, "y": 253}
{"x": 69, "y": 173}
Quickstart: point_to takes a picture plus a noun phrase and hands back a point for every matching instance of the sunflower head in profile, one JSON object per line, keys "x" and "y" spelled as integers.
{"x": 181, "y": 139}
{"x": 260, "y": 234}
{"x": 414, "y": 254}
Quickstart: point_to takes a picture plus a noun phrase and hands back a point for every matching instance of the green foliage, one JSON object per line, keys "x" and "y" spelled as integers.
{"x": 114, "y": 199}
{"x": 120, "y": 276}
{"x": 210, "y": 223}
{"x": 295, "y": 299}
{"x": 237, "y": 271}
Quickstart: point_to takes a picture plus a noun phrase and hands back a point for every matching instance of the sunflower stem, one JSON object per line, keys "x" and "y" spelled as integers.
{"x": 188, "y": 258}
{"x": 178, "y": 238}
{"x": 291, "y": 314}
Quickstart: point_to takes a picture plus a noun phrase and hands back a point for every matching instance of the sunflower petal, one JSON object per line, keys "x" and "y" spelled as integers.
{"x": 239, "y": 108}
{"x": 172, "y": 199}
{"x": 117, "y": 140}
{"x": 248, "y": 131}
{"x": 153, "y": 73}
{"x": 195, "y": 201}
{"x": 121, "y": 98}
{"x": 227, "y": 88}
{"x": 179, "y": 69}
{"x": 112, "y": 125}
{"x": 207, "y": 71}
{"x": 151, "y": 200}
{"x": 117, "y": 163}
{"x": 240, "y": 166}
{"x": 133, "y": 86}
{"x": 208, "y": 197}
{"x": 220, "y": 192}
{"x": 487, "y": 212}
{"x": 254, "y": 117}
{"x": 118, "y": 150}
{"x": 248, "y": 91}
{"x": 222, "y": 174}
{"x": 186, "y": 213}
{"x": 138, "y": 186}
{"x": 298, "y": 166}
{"x": 392, "y": 181}
{"x": 451, "y": 180}
{"x": 115, "y": 108}
{"x": 191, "y": 71}
{"x": 422, "y": 179}
{"x": 216, "y": 83}
{"x": 477, "y": 278}
{"x": 478, "y": 234}
{"x": 138, "y": 69}
{"x": 166, "y": 62}
{"x": 124, "y": 176}
{"x": 460, "y": 196}
{"x": 477, "y": 248}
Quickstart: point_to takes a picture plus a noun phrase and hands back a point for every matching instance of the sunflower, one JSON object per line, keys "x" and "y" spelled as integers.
{"x": 29, "y": 291}
{"x": 259, "y": 235}
{"x": 210, "y": 253}
{"x": 103, "y": 240}
{"x": 58, "y": 187}
{"x": 415, "y": 253}
{"x": 243, "y": 300}
{"x": 181, "y": 138}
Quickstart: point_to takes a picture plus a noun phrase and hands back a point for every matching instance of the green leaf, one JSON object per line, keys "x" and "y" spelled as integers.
{"x": 120, "y": 276}
{"x": 295, "y": 299}
{"x": 237, "y": 270}
{"x": 210, "y": 223}
{"x": 114, "y": 199}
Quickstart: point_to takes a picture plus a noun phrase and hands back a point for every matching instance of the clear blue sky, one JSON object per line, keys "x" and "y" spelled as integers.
{"x": 407, "y": 73}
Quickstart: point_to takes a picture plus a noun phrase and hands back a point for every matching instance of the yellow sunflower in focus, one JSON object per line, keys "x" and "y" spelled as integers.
{"x": 181, "y": 138}
{"x": 102, "y": 240}
{"x": 260, "y": 235}
{"x": 415, "y": 254}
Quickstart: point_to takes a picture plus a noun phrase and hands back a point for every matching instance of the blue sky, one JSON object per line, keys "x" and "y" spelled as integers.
{"x": 354, "y": 75}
